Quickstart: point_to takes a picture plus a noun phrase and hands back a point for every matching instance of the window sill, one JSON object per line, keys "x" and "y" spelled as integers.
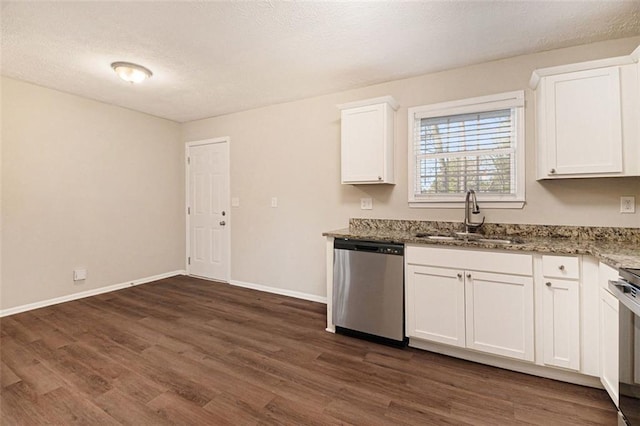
{"x": 460, "y": 204}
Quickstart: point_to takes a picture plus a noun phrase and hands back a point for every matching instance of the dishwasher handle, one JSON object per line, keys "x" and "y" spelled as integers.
{"x": 360, "y": 247}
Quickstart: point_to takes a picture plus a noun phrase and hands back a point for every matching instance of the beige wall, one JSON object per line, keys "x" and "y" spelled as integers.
{"x": 85, "y": 184}
{"x": 291, "y": 151}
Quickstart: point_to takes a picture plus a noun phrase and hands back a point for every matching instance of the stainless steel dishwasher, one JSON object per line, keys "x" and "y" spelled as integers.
{"x": 368, "y": 290}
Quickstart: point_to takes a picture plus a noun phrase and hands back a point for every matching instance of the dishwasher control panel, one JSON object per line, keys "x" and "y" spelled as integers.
{"x": 390, "y": 250}
{"x": 369, "y": 246}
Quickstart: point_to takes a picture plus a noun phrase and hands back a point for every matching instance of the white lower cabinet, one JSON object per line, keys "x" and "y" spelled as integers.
{"x": 558, "y": 288}
{"x": 561, "y": 323}
{"x": 500, "y": 314}
{"x": 490, "y": 310}
{"x": 609, "y": 334}
{"x": 436, "y": 304}
{"x": 609, "y": 343}
{"x": 552, "y": 311}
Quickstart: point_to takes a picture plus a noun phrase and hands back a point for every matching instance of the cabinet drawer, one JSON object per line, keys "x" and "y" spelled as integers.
{"x": 473, "y": 260}
{"x": 561, "y": 267}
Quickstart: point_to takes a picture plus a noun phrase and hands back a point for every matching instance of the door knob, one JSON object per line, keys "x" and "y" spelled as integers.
{"x": 459, "y": 275}
{"x": 223, "y": 223}
{"x": 548, "y": 283}
{"x": 468, "y": 275}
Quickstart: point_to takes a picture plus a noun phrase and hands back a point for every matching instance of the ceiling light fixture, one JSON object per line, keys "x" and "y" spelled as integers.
{"x": 132, "y": 73}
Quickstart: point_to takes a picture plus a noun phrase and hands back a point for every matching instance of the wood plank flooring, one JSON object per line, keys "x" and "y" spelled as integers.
{"x": 193, "y": 352}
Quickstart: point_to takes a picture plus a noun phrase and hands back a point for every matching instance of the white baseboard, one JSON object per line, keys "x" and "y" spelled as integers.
{"x": 281, "y": 291}
{"x": 88, "y": 293}
{"x": 508, "y": 364}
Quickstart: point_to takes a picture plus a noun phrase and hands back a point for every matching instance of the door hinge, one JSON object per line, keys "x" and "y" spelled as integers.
{"x": 188, "y": 210}
{"x": 188, "y": 160}
{"x": 189, "y": 260}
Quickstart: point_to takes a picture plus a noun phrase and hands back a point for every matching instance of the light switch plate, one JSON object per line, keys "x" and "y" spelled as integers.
{"x": 274, "y": 201}
{"x": 366, "y": 204}
{"x": 627, "y": 204}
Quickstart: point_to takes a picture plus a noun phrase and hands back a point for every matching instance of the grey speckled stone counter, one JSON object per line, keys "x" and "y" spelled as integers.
{"x": 617, "y": 247}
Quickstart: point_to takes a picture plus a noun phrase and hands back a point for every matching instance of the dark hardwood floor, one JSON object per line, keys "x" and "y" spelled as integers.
{"x": 193, "y": 352}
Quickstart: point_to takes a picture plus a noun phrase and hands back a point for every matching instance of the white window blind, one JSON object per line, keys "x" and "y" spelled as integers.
{"x": 456, "y": 148}
{"x": 467, "y": 151}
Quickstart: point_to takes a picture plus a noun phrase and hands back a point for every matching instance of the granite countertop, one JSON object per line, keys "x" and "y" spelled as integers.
{"x": 617, "y": 247}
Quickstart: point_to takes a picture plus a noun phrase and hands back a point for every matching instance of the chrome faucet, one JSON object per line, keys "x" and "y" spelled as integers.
{"x": 471, "y": 203}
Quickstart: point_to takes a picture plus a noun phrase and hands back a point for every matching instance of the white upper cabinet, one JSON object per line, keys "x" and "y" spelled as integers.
{"x": 367, "y": 133}
{"x": 583, "y": 125}
{"x": 587, "y": 118}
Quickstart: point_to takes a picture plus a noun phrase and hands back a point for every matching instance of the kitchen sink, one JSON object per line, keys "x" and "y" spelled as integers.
{"x": 500, "y": 241}
{"x": 436, "y": 237}
{"x": 470, "y": 237}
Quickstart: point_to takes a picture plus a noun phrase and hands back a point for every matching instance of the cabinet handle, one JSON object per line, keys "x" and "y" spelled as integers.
{"x": 548, "y": 283}
{"x": 459, "y": 275}
{"x": 379, "y": 177}
{"x": 468, "y": 275}
{"x": 552, "y": 171}
{"x": 223, "y": 223}
{"x": 561, "y": 267}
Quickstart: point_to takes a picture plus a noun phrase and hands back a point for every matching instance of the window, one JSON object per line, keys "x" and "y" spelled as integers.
{"x": 469, "y": 144}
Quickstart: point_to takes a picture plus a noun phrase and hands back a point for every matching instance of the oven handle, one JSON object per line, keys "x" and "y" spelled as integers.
{"x": 623, "y": 286}
{"x": 618, "y": 289}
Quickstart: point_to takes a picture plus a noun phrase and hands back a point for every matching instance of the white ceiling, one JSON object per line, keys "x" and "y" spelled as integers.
{"x": 214, "y": 58}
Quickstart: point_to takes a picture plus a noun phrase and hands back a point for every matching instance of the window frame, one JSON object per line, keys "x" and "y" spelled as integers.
{"x": 508, "y": 100}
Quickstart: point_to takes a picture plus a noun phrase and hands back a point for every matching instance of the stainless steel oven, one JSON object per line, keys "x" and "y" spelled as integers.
{"x": 627, "y": 290}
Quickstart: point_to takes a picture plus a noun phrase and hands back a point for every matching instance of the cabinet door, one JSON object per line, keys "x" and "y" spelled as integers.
{"x": 363, "y": 143}
{"x": 583, "y": 133}
{"x": 609, "y": 343}
{"x": 435, "y": 304}
{"x": 499, "y": 314}
{"x": 561, "y": 323}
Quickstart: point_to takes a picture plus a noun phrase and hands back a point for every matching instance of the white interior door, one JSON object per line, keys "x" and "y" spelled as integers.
{"x": 208, "y": 209}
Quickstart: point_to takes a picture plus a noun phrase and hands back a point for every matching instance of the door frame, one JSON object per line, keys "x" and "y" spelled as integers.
{"x": 188, "y": 145}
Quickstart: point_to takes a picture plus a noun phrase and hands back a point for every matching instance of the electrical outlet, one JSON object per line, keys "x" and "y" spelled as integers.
{"x": 235, "y": 202}
{"x": 79, "y": 274}
{"x": 366, "y": 204}
{"x": 274, "y": 201}
{"x": 627, "y": 204}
